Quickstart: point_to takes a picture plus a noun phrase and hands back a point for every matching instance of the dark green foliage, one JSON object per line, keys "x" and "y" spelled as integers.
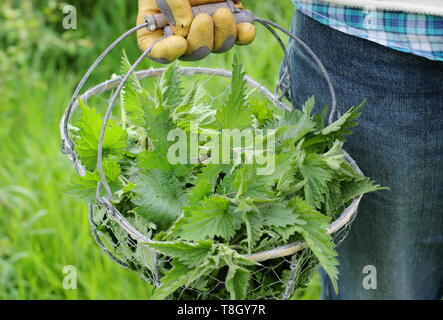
{"x": 211, "y": 214}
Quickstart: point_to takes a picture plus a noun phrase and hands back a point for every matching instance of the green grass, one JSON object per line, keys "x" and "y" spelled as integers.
{"x": 41, "y": 228}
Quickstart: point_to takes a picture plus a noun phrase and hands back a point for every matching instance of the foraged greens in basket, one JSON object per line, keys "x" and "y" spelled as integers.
{"x": 205, "y": 216}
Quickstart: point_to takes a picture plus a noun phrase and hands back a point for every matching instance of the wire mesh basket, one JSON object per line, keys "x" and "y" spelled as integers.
{"x": 291, "y": 263}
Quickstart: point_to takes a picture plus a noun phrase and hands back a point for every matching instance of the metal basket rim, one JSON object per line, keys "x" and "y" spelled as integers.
{"x": 281, "y": 251}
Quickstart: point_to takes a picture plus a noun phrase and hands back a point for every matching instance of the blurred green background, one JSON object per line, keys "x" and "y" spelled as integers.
{"x": 41, "y": 228}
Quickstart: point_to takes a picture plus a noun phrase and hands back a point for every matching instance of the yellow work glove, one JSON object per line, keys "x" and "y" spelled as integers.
{"x": 193, "y": 38}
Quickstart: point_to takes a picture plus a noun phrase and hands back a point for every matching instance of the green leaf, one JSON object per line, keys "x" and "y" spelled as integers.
{"x": 85, "y": 187}
{"x": 204, "y": 184}
{"x": 234, "y": 114}
{"x": 320, "y": 118}
{"x": 180, "y": 275}
{"x": 150, "y": 160}
{"x": 254, "y": 223}
{"x": 308, "y": 106}
{"x": 170, "y": 86}
{"x": 132, "y": 96}
{"x": 314, "y": 233}
{"x": 158, "y": 124}
{"x": 90, "y": 126}
{"x": 191, "y": 254}
{"x": 284, "y": 175}
{"x": 317, "y": 175}
{"x": 237, "y": 282}
{"x": 145, "y": 257}
{"x": 125, "y": 66}
{"x": 189, "y": 99}
{"x": 297, "y": 131}
{"x": 351, "y": 190}
{"x": 334, "y": 198}
{"x": 288, "y": 231}
{"x": 334, "y": 157}
{"x": 279, "y": 215}
{"x": 261, "y": 111}
{"x": 159, "y": 197}
{"x": 210, "y": 218}
{"x": 111, "y": 169}
{"x": 297, "y": 124}
{"x": 192, "y": 109}
{"x": 247, "y": 183}
{"x": 202, "y": 115}
{"x": 348, "y": 120}
{"x": 133, "y": 103}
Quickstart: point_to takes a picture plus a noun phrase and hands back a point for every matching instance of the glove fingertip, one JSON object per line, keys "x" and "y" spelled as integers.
{"x": 169, "y": 49}
{"x": 225, "y": 30}
{"x": 246, "y": 33}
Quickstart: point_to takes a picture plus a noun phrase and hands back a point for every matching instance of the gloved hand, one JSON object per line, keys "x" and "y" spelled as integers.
{"x": 193, "y": 38}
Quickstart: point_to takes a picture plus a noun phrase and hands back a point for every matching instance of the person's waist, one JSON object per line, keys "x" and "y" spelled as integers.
{"x": 428, "y": 7}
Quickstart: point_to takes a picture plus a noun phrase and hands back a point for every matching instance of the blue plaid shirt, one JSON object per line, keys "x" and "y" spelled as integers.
{"x": 408, "y": 32}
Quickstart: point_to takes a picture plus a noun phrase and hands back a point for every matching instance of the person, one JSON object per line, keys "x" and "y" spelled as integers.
{"x": 389, "y": 52}
{"x": 193, "y": 38}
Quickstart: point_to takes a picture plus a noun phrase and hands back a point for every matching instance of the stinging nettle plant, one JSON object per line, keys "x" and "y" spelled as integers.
{"x": 205, "y": 218}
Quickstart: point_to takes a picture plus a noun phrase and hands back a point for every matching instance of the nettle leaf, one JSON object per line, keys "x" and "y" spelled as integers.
{"x": 234, "y": 114}
{"x": 193, "y": 109}
{"x": 279, "y": 214}
{"x": 133, "y": 97}
{"x": 320, "y": 118}
{"x": 284, "y": 172}
{"x": 111, "y": 169}
{"x": 343, "y": 124}
{"x": 334, "y": 198}
{"x": 189, "y": 100}
{"x": 145, "y": 257}
{"x": 174, "y": 278}
{"x": 288, "y": 231}
{"x": 248, "y": 183}
{"x": 297, "y": 131}
{"x": 170, "y": 87}
{"x": 308, "y": 106}
{"x": 334, "y": 157}
{"x": 191, "y": 254}
{"x": 204, "y": 184}
{"x": 254, "y": 224}
{"x": 84, "y": 187}
{"x": 158, "y": 124}
{"x": 125, "y": 66}
{"x": 237, "y": 282}
{"x": 262, "y": 112}
{"x": 133, "y": 102}
{"x": 86, "y": 144}
{"x": 317, "y": 174}
{"x": 180, "y": 275}
{"x": 352, "y": 189}
{"x": 149, "y": 160}
{"x": 159, "y": 197}
{"x": 314, "y": 233}
{"x": 210, "y": 218}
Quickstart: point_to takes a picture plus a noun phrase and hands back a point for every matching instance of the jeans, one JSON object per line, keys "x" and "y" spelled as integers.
{"x": 398, "y": 233}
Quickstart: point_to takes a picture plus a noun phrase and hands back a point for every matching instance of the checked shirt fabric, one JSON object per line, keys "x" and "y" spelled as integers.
{"x": 413, "y": 33}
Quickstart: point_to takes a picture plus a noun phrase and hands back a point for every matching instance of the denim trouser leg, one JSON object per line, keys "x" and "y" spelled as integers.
{"x": 399, "y": 143}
